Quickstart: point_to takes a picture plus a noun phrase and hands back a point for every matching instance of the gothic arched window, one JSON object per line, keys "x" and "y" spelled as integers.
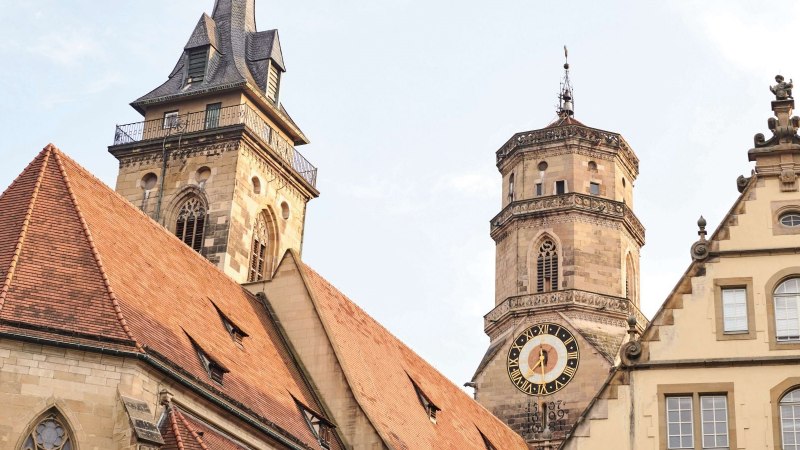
{"x": 49, "y": 433}
{"x": 547, "y": 267}
{"x": 191, "y": 222}
{"x": 790, "y": 419}
{"x": 787, "y": 310}
{"x": 260, "y": 256}
{"x": 630, "y": 279}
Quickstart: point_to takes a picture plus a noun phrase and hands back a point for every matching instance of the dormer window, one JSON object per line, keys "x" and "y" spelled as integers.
{"x": 215, "y": 370}
{"x": 487, "y": 442}
{"x": 321, "y": 427}
{"x": 196, "y": 66}
{"x": 236, "y": 332}
{"x": 426, "y": 403}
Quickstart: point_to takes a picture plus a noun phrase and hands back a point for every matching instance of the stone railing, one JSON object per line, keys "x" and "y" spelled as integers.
{"x": 543, "y": 136}
{"x": 572, "y": 200}
{"x": 525, "y": 303}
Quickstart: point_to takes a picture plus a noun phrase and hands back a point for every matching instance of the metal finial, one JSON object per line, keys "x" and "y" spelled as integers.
{"x": 566, "y": 103}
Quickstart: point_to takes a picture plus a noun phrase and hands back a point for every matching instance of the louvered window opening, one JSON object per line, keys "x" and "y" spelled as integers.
{"x": 426, "y": 403}
{"x": 547, "y": 267}
{"x": 212, "y": 115}
{"x": 197, "y": 64}
{"x": 258, "y": 259}
{"x": 49, "y": 434}
{"x": 273, "y": 82}
{"x": 191, "y": 223}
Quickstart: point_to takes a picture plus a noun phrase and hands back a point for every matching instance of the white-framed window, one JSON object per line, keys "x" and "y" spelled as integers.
{"x": 790, "y": 420}
{"x": 787, "y": 310}
{"x": 539, "y": 189}
{"x": 561, "y": 187}
{"x": 170, "y": 119}
{"x": 594, "y": 188}
{"x": 680, "y": 423}
{"x": 714, "y": 417}
{"x": 734, "y": 310}
{"x": 790, "y": 219}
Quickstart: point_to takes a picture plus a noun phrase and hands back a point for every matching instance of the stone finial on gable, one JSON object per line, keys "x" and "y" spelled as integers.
{"x": 700, "y": 248}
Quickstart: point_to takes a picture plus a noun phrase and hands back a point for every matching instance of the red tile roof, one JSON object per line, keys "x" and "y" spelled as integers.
{"x": 183, "y": 432}
{"x": 79, "y": 262}
{"x": 380, "y": 370}
{"x": 564, "y": 121}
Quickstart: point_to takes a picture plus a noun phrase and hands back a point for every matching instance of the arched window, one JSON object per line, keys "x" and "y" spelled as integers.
{"x": 260, "y": 256}
{"x": 547, "y": 267}
{"x": 191, "y": 222}
{"x": 790, "y": 420}
{"x": 49, "y": 433}
{"x": 630, "y": 278}
{"x": 787, "y": 311}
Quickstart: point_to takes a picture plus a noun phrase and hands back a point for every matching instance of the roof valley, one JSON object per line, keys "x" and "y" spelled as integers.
{"x": 44, "y": 155}
{"x": 88, "y": 234}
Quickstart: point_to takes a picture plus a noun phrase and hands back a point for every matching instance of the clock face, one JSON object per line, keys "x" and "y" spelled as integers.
{"x": 543, "y": 359}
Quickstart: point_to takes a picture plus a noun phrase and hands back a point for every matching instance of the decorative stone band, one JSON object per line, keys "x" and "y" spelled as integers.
{"x": 571, "y": 201}
{"x": 546, "y": 135}
{"x": 523, "y": 305}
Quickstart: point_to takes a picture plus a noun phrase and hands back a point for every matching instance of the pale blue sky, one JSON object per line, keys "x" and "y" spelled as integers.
{"x": 406, "y": 102}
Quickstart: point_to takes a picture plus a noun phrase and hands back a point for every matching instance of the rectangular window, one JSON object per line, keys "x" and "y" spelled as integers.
{"x": 273, "y": 82}
{"x": 734, "y": 310}
{"x": 539, "y": 189}
{"x": 714, "y": 415}
{"x": 561, "y": 187}
{"x": 594, "y": 188}
{"x": 212, "y": 115}
{"x": 170, "y": 119}
{"x": 680, "y": 427}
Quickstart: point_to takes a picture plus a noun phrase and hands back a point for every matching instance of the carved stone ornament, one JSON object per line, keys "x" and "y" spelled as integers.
{"x": 783, "y": 126}
{"x": 741, "y": 183}
{"x": 700, "y": 250}
{"x": 782, "y": 89}
{"x": 630, "y": 353}
{"x": 788, "y": 179}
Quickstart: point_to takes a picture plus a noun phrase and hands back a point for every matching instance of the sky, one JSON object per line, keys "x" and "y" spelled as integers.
{"x": 406, "y": 103}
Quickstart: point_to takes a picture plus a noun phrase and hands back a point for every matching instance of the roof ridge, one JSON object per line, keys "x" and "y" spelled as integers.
{"x": 85, "y": 227}
{"x": 194, "y": 433}
{"x": 45, "y": 153}
{"x": 175, "y": 429}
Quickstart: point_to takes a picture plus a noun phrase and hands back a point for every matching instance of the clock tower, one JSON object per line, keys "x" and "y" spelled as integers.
{"x": 567, "y": 273}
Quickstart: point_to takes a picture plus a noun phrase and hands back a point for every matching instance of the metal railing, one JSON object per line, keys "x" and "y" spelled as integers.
{"x": 218, "y": 118}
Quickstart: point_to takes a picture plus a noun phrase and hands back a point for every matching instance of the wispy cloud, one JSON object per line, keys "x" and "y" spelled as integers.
{"x": 66, "y": 49}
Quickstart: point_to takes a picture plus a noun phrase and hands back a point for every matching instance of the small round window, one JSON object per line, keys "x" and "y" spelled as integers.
{"x": 790, "y": 219}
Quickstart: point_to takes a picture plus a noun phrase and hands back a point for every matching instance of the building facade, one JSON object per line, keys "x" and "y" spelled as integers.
{"x": 717, "y": 366}
{"x": 567, "y": 273}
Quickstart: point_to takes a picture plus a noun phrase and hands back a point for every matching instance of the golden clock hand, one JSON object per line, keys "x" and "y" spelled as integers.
{"x": 533, "y": 369}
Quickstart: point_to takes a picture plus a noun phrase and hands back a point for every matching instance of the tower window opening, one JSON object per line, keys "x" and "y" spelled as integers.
{"x": 191, "y": 223}
{"x": 212, "y": 115}
{"x": 539, "y": 189}
{"x": 542, "y": 166}
{"x": 259, "y": 257}
{"x": 196, "y": 67}
{"x": 561, "y": 187}
{"x": 511, "y": 188}
{"x": 170, "y": 120}
{"x": 547, "y": 267}
{"x": 273, "y": 82}
{"x": 594, "y": 188}
{"x": 592, "y": 166}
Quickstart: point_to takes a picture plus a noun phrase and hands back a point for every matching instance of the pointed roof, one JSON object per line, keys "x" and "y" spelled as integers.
{"x": 384, "y": 373}
{"x": 80, "y": 264}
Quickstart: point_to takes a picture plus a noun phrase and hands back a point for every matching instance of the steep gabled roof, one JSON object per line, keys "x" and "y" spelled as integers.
{"x": 80, "y": 264}
{"x": 382, "y": 373}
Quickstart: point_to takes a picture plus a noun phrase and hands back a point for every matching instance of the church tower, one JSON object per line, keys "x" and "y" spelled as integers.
{"x": 567, "y": 273}
{"x": 215, "y": 159}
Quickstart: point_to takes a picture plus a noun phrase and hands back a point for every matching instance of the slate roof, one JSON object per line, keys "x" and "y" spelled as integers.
{"x": 241, "y": 57}
{"x": 380, "y": 369}
{"x": 80, "y": 264}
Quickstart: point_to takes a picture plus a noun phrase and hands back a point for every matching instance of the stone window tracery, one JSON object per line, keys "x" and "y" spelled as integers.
{"x": 260, "y": 252}
{"x": 547, "y": 267}
{"x": 191, "y": 222}
{"x": 50, "y": 433}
